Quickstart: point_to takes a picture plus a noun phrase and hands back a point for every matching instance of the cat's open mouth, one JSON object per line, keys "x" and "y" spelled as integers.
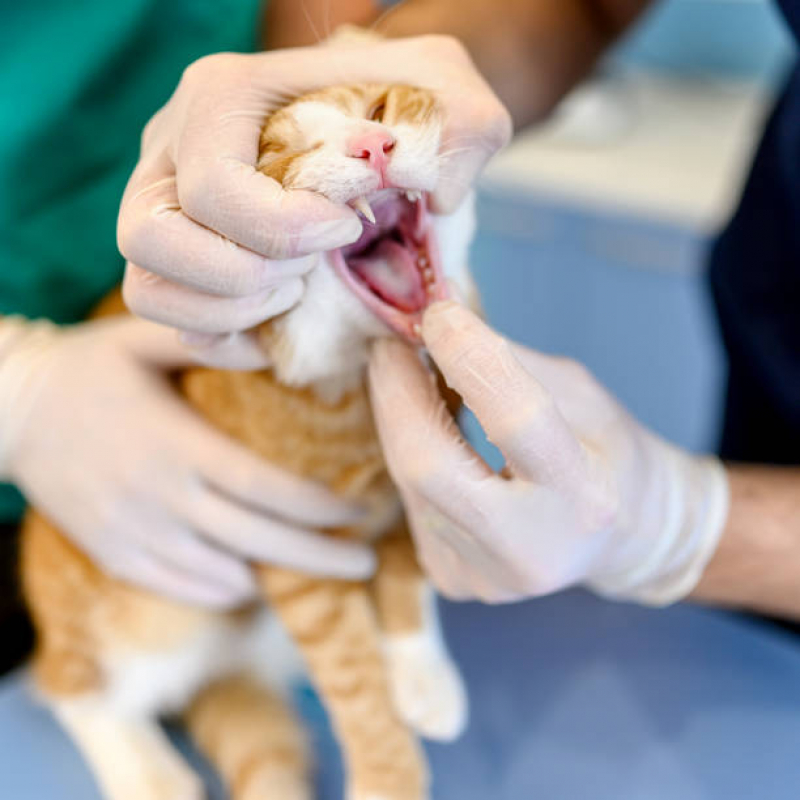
{"x": 394, "y": 267}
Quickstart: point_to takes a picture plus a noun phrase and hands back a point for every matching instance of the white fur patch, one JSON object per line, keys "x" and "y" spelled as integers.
{"x": 427, "y": 687}
{"x": 324, "y": 339}
{"x": 142, "y": 684}
{"x": 454, "y": 233}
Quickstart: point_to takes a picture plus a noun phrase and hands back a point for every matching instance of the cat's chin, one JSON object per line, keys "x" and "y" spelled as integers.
{"x": 323, "y": 342}
{"x": 394, "y": 268}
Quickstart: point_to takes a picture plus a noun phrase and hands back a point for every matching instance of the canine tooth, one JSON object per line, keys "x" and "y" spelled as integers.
{"x": 417, "y": 328}
{"x": 422, "y": 261}
{"x": 361, "y": 204}
{"x": 428, "y": 274}
{"x": 414, "y": 195}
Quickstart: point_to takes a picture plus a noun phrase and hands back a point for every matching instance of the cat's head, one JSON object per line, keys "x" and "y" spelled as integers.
{"x": 376, "y": 148}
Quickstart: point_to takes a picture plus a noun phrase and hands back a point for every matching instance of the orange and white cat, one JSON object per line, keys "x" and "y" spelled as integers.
{"x": 112, "y": 658}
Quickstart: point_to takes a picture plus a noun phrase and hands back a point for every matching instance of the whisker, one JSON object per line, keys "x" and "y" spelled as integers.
{"x": 327, "y": 20}
{"x": 310, "y": 21}
{"x": 386, "y": 14}
{"x": 446, "y": 153}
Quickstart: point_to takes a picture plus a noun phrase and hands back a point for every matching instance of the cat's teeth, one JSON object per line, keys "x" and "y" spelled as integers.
{"x": 417, "y": 328}
{"x": 361, "y": 204}
{"x": 414, "y": 195}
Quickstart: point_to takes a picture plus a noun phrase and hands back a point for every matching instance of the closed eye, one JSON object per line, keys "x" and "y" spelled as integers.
{"x": 376, "y": 112}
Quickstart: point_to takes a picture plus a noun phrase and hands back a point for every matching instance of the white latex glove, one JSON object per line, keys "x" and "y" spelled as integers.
{"x": 590, "y": 496}
{"x": 97, "y": 439}
{"x": 214, "y": 246}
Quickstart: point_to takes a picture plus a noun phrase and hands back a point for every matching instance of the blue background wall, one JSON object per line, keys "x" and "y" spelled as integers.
{"x": 739, "y": 38}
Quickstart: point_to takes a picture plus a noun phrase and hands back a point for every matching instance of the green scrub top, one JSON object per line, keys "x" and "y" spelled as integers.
{"x": 78, "y": 81}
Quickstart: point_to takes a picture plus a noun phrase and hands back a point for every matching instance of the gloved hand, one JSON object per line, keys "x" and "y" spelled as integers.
{"x": 215, "y": 247}
{"x": 589, "y": 496}
{"x": 94, "y": 435}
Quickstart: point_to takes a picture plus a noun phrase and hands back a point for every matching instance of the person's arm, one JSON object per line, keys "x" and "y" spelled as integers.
{"x": 288, "y": 23}
{"x": 532, "y": 52}
{"x": 757, "y": 563}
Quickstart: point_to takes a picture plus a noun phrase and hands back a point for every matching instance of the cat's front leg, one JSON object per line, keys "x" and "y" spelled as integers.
{"x": 333, "y": 623}
{"x": 427, "y": 687}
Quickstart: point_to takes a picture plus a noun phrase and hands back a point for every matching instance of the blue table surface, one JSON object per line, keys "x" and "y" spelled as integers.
{"x": 572, "y": 697}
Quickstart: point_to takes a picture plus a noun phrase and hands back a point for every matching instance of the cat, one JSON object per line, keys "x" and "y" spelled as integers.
{"x": 112, "y": 658}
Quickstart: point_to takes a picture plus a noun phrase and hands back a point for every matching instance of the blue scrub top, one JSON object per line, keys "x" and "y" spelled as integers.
{"x": 755, "y": 278}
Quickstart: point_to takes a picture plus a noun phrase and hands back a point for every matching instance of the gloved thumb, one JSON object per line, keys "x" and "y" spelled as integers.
{"x": 518, "y": 414}
{"x": 153, "y": 344}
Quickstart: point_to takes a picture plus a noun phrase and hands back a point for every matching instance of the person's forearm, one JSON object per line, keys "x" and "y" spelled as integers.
{"x": 532, "y": 52}
{"x": 289, "y": 23}
{"x": 757, "y": 563}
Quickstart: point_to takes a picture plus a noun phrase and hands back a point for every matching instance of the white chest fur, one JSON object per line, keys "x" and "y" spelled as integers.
{"x": 162, "y": 682}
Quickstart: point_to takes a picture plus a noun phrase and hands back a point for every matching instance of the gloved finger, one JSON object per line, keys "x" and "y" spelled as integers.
{"x": 480, "y": 561}
{"x": 424, "y": 450}
{"x": 160, "y": 300}
{"x": 469, "y": 140}
{"x": 440, "y": 562}
{"x": 433, "y": 552}
{"x": 161, "y": 346}
{"x": 155, "y": 233}
{"x": 174, "y": 545}
{"x": 145, "y": 570}
{"x": 219, "y": 186}
{"x": 233, "y": 351}
{"x": 266, "y": 540}
{"x": 517, "y": 413}
{"x": 249, "y": 479}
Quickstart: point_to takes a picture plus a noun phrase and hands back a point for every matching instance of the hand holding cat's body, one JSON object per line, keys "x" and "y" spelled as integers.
{"x": 94, "y": 435}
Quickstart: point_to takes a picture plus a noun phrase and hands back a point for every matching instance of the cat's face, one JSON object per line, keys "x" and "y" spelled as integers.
{"x": 376, "y": 148}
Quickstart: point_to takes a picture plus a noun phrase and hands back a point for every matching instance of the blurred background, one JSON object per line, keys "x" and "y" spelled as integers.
{"x": 594, "y": 228}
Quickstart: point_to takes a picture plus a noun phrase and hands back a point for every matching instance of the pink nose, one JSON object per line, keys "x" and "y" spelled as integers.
{"x": 373, "y": 146}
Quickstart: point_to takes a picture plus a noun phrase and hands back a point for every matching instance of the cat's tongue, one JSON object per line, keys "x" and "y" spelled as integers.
{"x": 391, "y": 272}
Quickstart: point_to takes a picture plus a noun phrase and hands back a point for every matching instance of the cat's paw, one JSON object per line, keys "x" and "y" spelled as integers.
{"x": 159, "y": 785}
{"x": 427, "y": 688}
{"x": 403, "y": 795}
{"x": 372, "y": 797}
{"x": 286, "y": 786}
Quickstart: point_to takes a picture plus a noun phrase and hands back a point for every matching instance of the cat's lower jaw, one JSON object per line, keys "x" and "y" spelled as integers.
{"x": 427, "y": 688}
